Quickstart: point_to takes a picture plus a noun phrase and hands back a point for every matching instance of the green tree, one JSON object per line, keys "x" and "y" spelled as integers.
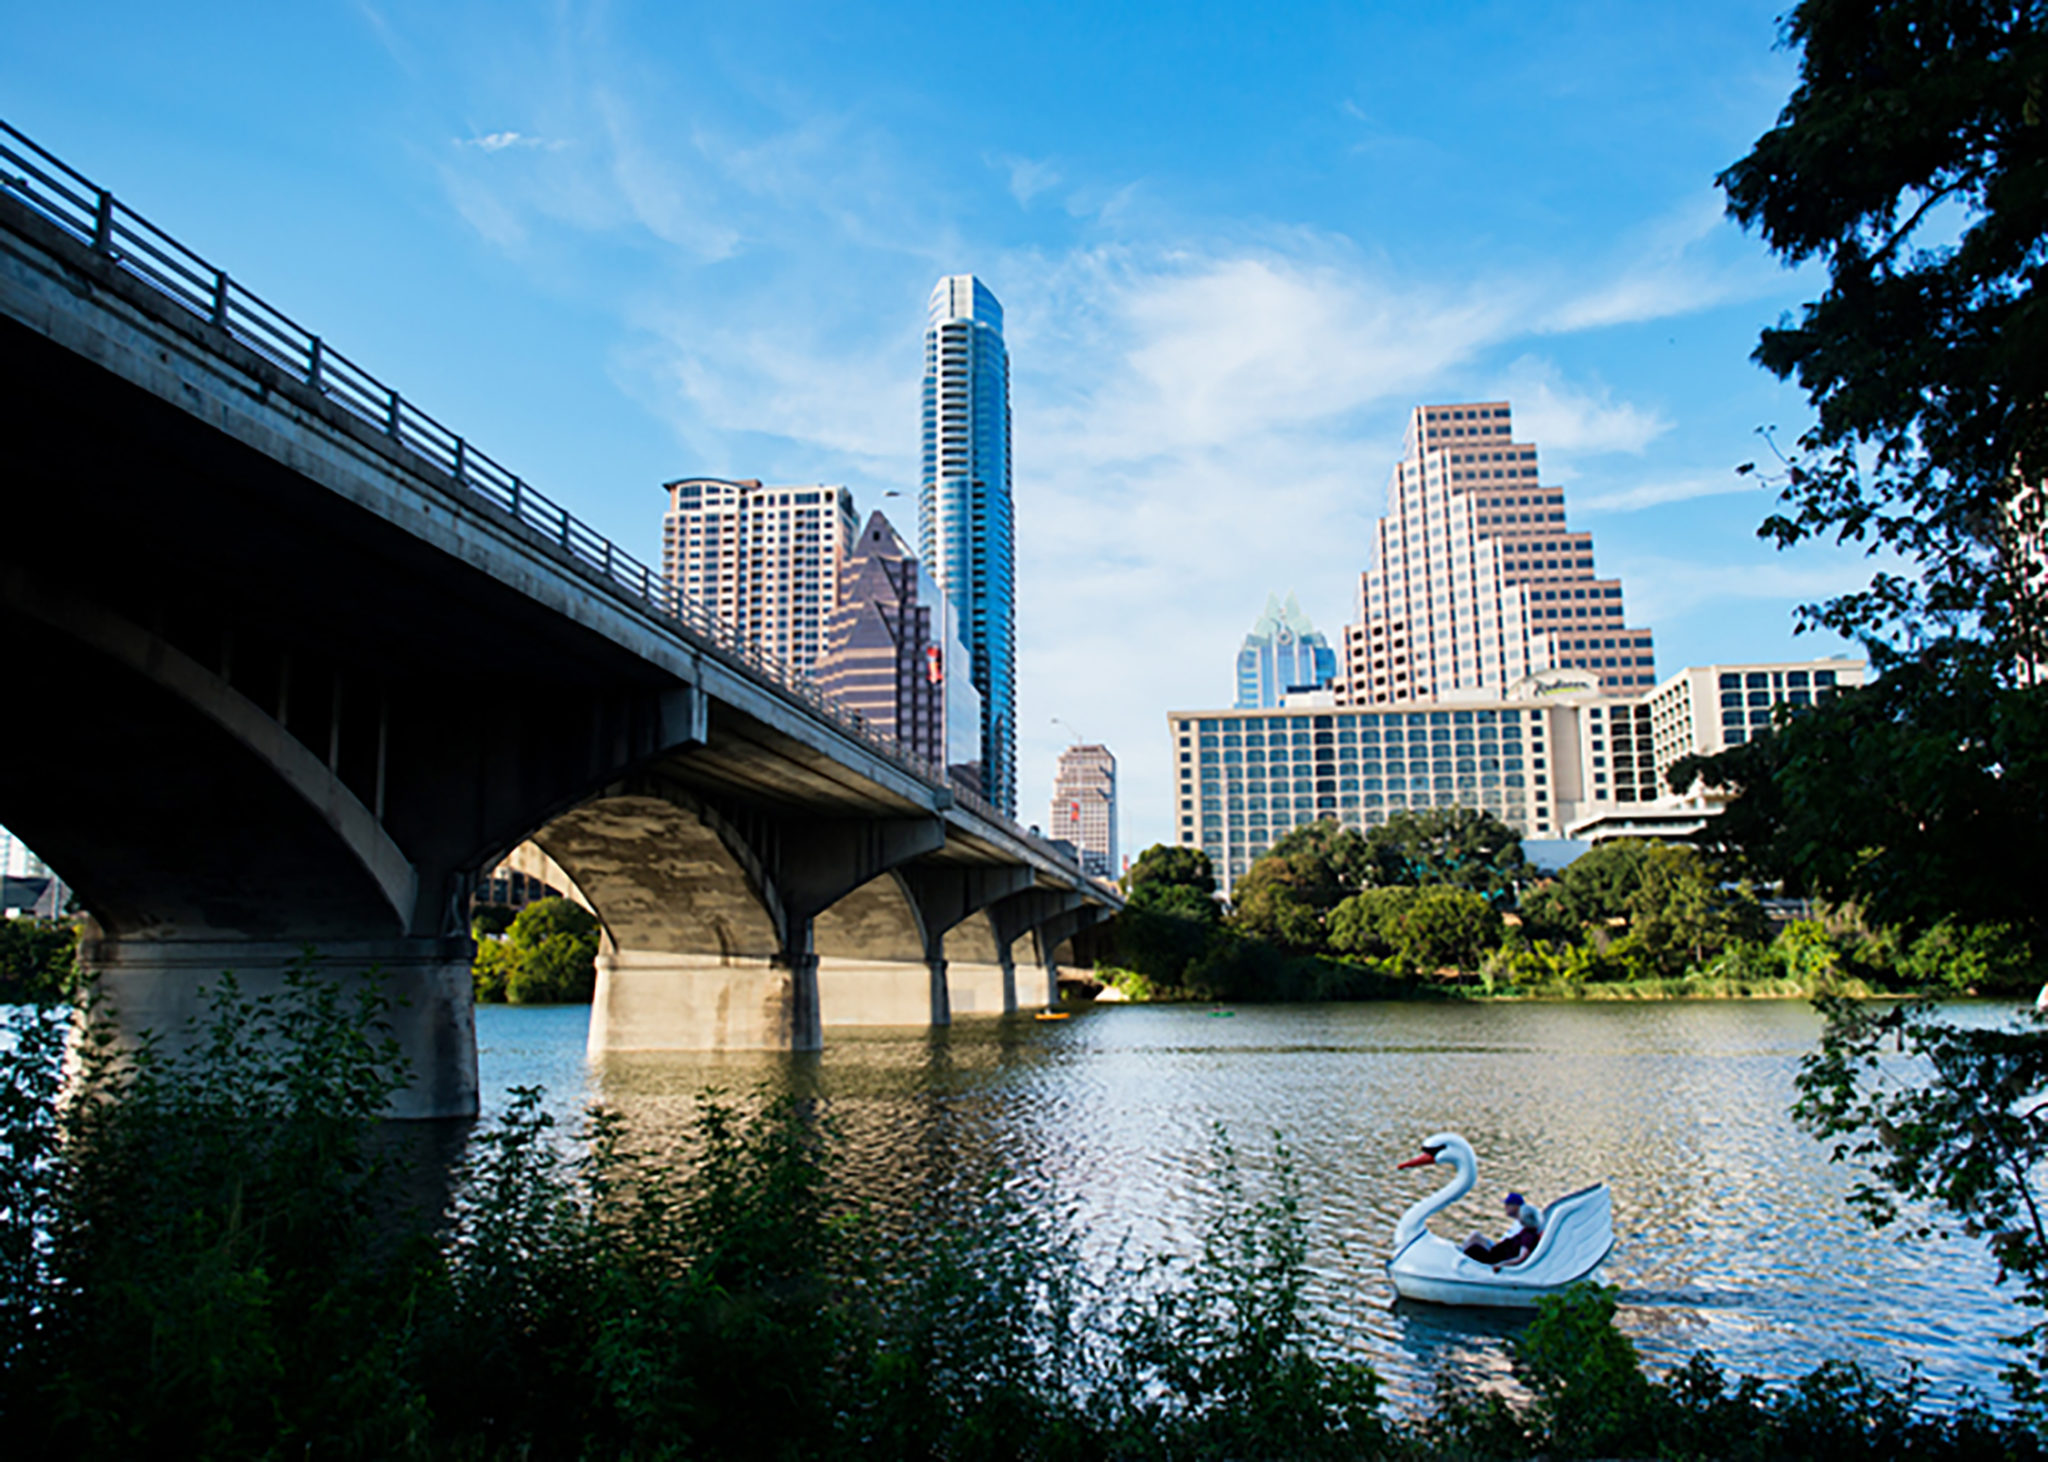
{"x": 491, "y": 970}
{"x": 1593, "y": 889}
{"x": 1448, "y": 928}
{"x": 38, "y": 959}
{"x": 1172, "y": 917}
{"x": 1891, "y": 796}
{"x": 556, "y": 945}
{"x": 1424, "y": 929}
{"x": 1683, "y": 913}
{"x": 1369, "y": 922}
{"x": 1964, "y": 1126}
{"x": 1168, "y": 865}
{"x": 1336, "y": 852}
{"x": 1672, "y": 900}
{"x": 1459, "y": 846}
{"x": 1286, "y": 895}
{"x": 1911, "y": 161}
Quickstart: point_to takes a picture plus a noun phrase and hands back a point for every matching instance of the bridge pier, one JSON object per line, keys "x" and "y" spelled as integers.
{"x": 652, "y": 1000}
{"x": 166, "y": 987}
{"x": 982, "y": 989}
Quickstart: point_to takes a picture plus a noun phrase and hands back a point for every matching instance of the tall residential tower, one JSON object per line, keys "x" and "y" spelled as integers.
{"x": 1476, "y": 579}
{"x": 765, "y": 560}
{"x": 965, "y": 523}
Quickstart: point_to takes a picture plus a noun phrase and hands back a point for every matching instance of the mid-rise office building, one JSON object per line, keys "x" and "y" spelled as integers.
{"x": 1282, "y": 653}
{"x": 966, "y": 527}
{"x": 1477, "y": 579}
{"x": 893, "y": 656}
{"x": 763, "y": 560}
{"x": 1084, "y": 806}
{"x": 1556, "y": 755}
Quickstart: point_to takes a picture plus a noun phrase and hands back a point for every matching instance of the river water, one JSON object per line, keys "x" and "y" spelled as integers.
{"x": 1733, "y": 1233}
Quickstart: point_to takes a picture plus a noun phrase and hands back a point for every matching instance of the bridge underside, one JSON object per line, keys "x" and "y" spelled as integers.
{"x": 282, "y": 682}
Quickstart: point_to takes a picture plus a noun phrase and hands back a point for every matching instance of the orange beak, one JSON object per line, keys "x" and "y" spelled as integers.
{"x": 1420, "y": 1160}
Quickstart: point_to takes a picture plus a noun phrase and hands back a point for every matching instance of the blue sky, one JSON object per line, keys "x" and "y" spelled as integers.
{"x": 616, "y": 243}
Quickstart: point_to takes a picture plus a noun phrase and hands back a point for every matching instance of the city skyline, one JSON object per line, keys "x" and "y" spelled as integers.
{"x": 607, "y": 243}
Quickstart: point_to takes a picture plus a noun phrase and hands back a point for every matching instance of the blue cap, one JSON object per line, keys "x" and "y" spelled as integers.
{"x": 1513, "y": 1200}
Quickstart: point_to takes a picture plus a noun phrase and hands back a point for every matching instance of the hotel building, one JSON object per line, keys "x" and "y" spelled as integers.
{"x": 764, "y": 560}
{"x": 1477, "y": 580}
{"x": 1084, "y": 806}
{"x": 966, "y": 527}
{"x": 1556, "y": 755}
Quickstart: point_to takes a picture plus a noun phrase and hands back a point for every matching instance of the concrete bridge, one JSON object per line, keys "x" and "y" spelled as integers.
{"x": 292, "y": 663}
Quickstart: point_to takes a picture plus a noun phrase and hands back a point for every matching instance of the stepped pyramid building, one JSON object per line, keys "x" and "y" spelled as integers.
{"x": 1477, "y": 580}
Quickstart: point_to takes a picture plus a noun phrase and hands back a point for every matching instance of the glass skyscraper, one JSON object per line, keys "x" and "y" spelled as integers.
{"x": 1282, "y": 653}
{"x": 965, "y": 522}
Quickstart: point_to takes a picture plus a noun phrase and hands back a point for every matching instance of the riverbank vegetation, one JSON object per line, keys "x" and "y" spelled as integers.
{"x": 223, "y": 1255}
{"x": 1441, "y": 902}
{"x": 38, "y": 959}
{"x": 545, "y": 954}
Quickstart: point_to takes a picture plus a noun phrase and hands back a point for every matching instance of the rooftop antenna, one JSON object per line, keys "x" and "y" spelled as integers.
{"x": 1078, "y": 737}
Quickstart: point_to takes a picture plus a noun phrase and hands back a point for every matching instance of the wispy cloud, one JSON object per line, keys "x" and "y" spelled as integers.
{"x": 1029, "y": 177}
{"x": 1572, "y": 420}
{"x": 1659, "y": 492}
{"x": 1662, "y": 587}
{"x": 505, "y": 141}
{"x": 1670, "y": 267}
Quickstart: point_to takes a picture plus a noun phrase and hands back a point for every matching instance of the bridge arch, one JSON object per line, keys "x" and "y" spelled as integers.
{"x": 979, "y": 972}
{"x": 287, "y": 848}
{"x": 875, "y": 962}
{"x": 695, "y": 945}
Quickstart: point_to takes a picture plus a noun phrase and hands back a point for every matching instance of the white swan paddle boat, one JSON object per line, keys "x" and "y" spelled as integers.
{"x": 1578, "y": 1232}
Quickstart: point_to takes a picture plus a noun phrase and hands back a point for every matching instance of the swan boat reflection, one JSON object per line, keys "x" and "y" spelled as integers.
{"x": 1578, "y": 1232}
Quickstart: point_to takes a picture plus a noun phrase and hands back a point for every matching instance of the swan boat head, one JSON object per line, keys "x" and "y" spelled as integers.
{"x": 1444, "y": 1149}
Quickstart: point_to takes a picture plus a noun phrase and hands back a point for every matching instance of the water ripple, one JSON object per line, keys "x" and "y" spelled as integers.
{"x": 1734, "y": 1233}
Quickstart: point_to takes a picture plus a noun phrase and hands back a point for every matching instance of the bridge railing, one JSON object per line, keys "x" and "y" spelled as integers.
{"x": 126, "y": 239}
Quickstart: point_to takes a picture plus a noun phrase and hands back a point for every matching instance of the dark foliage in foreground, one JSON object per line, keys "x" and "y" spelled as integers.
{"x": 38, "y": 959}
{"x": 216, "y": 1258}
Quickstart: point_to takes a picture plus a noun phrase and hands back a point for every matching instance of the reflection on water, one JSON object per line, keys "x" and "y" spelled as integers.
{"x": 1733, "y": 1232}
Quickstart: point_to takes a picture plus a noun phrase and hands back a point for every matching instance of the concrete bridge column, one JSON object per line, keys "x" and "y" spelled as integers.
{"x": 715, "y": 920}
{"x": 1056, "y": 931}
{"x": 1025, "y": 913}
{"x": 970, "y": 965}
{"x": 167, "y": 987}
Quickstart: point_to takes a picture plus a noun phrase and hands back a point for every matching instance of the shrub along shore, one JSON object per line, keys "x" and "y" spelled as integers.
{"x": 1442, "y": 903}
{"x": 216, "y": 1256}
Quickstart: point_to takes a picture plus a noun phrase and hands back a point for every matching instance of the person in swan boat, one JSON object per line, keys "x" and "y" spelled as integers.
{"x": 1516, "y": 1245}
